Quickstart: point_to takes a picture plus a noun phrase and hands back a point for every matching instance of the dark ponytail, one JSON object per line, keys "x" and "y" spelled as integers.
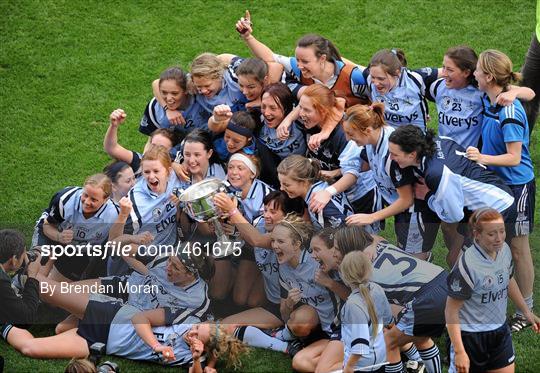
{"x": 410, "y": 139}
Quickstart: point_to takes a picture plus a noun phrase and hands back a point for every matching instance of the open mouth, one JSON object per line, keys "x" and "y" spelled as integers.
{"x": 153, "y": 184}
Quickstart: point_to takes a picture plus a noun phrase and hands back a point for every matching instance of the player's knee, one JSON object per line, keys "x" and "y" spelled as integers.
{"x": 302, "y": 362}
{"x": 424, "y": 343}
{"x": 301, "y": 330}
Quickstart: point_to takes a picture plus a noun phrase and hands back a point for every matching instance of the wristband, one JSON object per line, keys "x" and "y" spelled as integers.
{"x": 332, "y": 190}
{"x": 235, "y": 211}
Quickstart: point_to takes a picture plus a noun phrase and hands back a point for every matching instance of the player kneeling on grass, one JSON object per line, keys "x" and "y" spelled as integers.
{"x": 479, "y": 286}
{"x": 147, "y": 336}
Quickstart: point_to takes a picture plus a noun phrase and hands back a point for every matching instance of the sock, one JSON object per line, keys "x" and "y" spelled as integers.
{"x": 432, "y": 359}
{"x": 412, "y": 353}
{"x": 394, "y": 368}
{"x": 4, "y": 330}
{"x": 285, "y": 334}
{"x": 528, "y": 302}
{"x": 255, "y": 337}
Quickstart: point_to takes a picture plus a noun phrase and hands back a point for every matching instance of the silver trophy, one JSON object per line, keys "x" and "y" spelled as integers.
{"x": 198, "y": 202}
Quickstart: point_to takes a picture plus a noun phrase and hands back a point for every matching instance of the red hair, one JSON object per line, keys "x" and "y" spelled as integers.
{"x": 323, "y": 99}
{"x": 481, "y": 216}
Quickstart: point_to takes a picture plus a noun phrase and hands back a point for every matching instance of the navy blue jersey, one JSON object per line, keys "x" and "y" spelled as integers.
{"x": 400, "y": 275}
{"x": 65, "y": 212}
{"x": 328, "y": 152}
{"x": 335, "y": 211}
{"x": 456, "y": 183}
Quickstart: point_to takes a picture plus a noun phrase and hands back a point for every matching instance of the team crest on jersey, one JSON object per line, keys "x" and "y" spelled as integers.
{"x": 446, "y": 101}
{"x": 408, "y": 100}
{"x": 156, "y": 214}
{"x": 398, "y": 176}
{"x": 487, "y": 282}
{"x": 335, "y": 222}
{"x": 455, "y": 285}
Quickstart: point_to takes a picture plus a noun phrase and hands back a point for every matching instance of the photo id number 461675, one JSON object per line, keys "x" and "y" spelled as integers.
{"x": 216, "y": 249}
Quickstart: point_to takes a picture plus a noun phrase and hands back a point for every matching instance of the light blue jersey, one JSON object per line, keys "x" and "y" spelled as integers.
{"x": 155, "y": 117}
{"x": 124, "y": 341}
{"x": 324, "y": 301}
{"x": 66, "y": 212}
{"x": 504, "y": 125}
{"x": 215, "y": 170}
{"x": 253, "y": 205}
{"x": 356, "y": 329}
{"x": 268, "y": 265}
{"x": 351, "y": 163}
{"x": 193, "y": 298}
{"x": 482, "y": 282}
{"x": 153, "y": 213}
{"x": 400, "y": 275}
{"x": 294, "y": 144}
{"x": 405, "y": 103}
{"x": 386, "y": 173}
{"x": 459, "y": 112}
{"x": 230, "y": 94}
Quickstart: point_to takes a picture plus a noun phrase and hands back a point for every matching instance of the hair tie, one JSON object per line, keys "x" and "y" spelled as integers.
{"x": 394, "y": 51}
{"x": 239, "y": 130}
{"x": 244, "y": 159}
{"x": 370, "y": 107}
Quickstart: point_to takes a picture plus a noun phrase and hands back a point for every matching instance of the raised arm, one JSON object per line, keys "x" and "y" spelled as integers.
{"x": 110, "y": 142}
{"x": 245, "y": 29}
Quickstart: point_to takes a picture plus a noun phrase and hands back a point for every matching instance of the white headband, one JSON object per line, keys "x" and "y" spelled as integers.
{"x": 248, "y": 162}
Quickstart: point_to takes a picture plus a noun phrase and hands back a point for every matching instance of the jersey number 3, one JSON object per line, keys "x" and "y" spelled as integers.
{"x": 395, "y": 261}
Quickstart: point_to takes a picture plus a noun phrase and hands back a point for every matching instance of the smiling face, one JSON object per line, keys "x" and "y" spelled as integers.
{"x": 156, "y": 175}
{"x": 234, "y": 141}
{"x": 482, "y": 78}
{"x": 454, "y": 77}
{"x": 196, "y": 158}
{"x": 400, "y": 157}
{"x": 308, "y": 114}
{"x": 383, "y": 81}
{"x": 161, "y": 140}
{"x": 239, "y": 175}
{"x": 250, "y": 87}
{"x": 292, "y": 187}
{"x": 272, "y": 215}
{"x": 177, "y": 273}
{"x": 206, "y": 86}
{"x": 273, "y": 112}
{"x": 308, "y": 63}
{"x": 323, "y": 254}
{"x": 172, "y": 93}
{"x": 92, "y": 198}
{"x": 125, "y": 180}
{"x": 491, "y": 237}
{"x": 360, "y": 138}
{"x": 283, "y": 244}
